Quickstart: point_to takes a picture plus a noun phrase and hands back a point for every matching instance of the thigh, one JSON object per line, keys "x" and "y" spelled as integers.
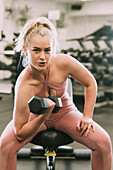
{"x": 68, "y": 125}
{"x": 8, "y": 137}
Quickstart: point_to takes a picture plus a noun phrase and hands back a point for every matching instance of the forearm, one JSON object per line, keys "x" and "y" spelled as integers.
{"x": 30, "y": 128}
{"x": 90, "y": 99}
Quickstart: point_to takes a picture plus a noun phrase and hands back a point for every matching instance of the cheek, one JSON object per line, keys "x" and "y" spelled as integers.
{"x": 49, "y": 58}
{"x": 30, "y": 56}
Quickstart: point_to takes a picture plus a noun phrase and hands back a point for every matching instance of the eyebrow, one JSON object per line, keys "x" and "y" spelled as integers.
{"x": 40, "y": 48}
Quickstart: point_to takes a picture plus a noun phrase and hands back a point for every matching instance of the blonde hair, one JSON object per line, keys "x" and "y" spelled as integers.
{"x": 43, "y": 27}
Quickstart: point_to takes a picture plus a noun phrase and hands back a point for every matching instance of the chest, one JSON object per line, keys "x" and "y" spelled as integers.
{"x": 50, "y": 89}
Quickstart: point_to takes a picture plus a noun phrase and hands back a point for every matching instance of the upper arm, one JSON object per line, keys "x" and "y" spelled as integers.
{"x": 78, "y": 71}
{"x": 21, "y": 111}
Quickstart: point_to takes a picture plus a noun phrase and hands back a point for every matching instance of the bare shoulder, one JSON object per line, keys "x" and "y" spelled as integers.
{"x": 62, "y": 57}
{"x": 20, "y": 81}
{"x": 71, "y": 66}
{"x": 66, "y": 61}
{"x": 61, "y": 60}
{"x": 23, "y": 88}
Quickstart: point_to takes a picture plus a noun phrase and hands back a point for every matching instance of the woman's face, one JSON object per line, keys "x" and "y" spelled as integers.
{"x": 39, "y": 51}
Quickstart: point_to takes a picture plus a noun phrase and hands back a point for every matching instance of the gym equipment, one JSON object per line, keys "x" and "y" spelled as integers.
{"x": 51, "y": 144}
{"x": 108, "y": 80}
{"x": 109, "y": 95}
{"x": 98, "y": 76}
{"x": 109, "y": 57}
{"x": 58, "y": 103}
{"x": 82, "y": 154}
{"x": 84, "y": 56}
{"x": 97, "y": 57}
{"x": 2, "y": 35}
{"x": 50, "y": 140}
{"x": 9, "y": 51}
{"x": 38, "y": 105}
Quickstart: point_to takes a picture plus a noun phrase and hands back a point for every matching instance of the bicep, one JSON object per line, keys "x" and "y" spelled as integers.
{"x": 21, "y": 112}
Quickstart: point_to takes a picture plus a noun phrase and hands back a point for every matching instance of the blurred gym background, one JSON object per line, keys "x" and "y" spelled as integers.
{"x": 85, "y": 31}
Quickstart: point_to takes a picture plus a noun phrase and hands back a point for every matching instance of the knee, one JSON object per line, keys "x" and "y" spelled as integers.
{"x": 102, "y": 137}
{"x": 107, "y": 141}
{"x": 2, "y": 144}
{"x": 6, "y": 144}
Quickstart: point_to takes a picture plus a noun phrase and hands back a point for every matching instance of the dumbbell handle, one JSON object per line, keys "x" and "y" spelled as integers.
{"x": 58, "y": 103}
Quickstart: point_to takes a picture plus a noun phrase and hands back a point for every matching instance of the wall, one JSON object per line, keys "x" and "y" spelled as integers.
{"x": 37, "y": 8}
{"x": 1, "y": 15}
{"x": 92, "y": 16}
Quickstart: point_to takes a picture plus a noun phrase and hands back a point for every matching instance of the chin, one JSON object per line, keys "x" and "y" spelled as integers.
{"x": 41, "y": 68}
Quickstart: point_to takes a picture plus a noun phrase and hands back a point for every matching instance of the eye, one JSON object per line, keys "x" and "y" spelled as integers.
{"x": 47, "y": 50}
{"x": 37, "y": 50}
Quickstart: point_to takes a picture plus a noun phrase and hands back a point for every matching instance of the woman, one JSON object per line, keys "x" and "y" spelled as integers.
{"x": 46, "y": 74}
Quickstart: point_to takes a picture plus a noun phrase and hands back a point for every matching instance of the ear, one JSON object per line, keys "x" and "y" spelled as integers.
{"x": 25, "y": 50}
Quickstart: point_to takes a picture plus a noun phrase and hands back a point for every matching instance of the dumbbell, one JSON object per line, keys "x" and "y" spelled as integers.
{"x": 58, "y": 103}
{"x": 38, "y": 105}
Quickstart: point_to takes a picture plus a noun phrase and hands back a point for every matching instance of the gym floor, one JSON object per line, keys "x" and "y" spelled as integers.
{"x": 103, "y": 116}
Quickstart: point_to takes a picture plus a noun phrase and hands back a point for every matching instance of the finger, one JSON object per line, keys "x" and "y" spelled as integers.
{"x": 84, "y": 129}
{"x": 88, "y": 129}
{"x": 93, "y": 126}
{"x": 82, "y": 125}
{"x": 78, "y": 125}
{"x": 50, "y": 103}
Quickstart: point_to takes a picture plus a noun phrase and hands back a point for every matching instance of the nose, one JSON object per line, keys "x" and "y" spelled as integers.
{"x": 42, "y": 56}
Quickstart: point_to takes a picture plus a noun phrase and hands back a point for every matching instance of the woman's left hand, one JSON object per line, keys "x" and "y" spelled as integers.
{"x": 84, "y": 125}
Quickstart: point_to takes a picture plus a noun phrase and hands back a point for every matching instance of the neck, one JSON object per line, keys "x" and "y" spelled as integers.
{"x": 39, "y": 73}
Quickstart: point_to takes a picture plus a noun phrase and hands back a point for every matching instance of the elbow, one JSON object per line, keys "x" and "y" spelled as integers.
{"x": 92, "y": 84}
{"x": 19, "y": 136}
{"x": 95, "y": 83}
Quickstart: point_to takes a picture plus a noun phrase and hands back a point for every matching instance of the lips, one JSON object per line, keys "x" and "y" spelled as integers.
{"x": 42, "y": 64}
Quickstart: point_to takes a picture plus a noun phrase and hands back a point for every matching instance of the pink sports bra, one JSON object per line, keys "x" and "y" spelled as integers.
{"x": 61, "y": 92}
{"x": 60, "y": 88}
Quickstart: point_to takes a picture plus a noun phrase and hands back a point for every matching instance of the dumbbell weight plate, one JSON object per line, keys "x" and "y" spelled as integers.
{"x": 38, "y": 105}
